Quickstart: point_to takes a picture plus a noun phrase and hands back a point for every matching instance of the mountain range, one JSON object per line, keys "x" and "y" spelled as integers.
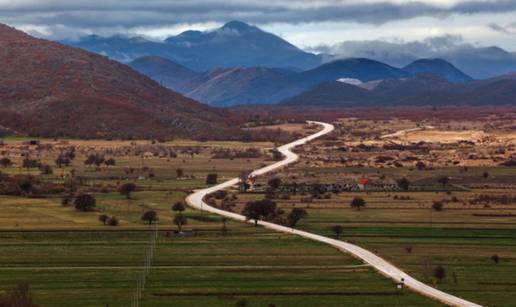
{"x": 237, "y": 44}
{"x": 422, "y": 89}
{"x": 49, "y": 89}
{"x": 260, "y": 85}
{"x": 234, "y": 44}
{"x": 477, "y": 62}
{"x": 54, "y": 90}
{"x": 239, "y": 64}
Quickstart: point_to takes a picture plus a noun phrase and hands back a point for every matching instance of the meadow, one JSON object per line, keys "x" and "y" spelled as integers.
{"x": 70, "y": 258}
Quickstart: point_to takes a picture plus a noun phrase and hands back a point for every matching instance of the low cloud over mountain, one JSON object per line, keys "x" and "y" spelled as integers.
{"x": 478, "y": 62}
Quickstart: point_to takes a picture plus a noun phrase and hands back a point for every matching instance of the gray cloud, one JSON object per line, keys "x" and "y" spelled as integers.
{"x": 127, "y": 14}
{"x": 399, "y": 53}
{"x": 508, "y": 29}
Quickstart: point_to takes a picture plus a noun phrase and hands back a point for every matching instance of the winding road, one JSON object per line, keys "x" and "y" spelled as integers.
{"x": 196, "y": 200}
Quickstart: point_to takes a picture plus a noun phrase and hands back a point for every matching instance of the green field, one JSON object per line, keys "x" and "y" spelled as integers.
{"x": 403, "y": 228}
{"x": 71, "y": 259}
{"x": 86, "y": 268}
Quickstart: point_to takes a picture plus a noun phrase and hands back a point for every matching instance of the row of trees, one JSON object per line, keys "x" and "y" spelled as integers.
{"x": 179, "y": 220}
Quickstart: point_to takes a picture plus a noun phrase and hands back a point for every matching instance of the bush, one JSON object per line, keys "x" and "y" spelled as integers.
{"x": 403, "y": 184}
{"x": 103, "y": 218}
{"x": 440, "y": 273}
{"x": 5, "y": 162}
{"x": 357, "y": 203}
{"x": 112, "y": 221}
{"x": 65, "y": 201}
{"x": 46, "y": 169}
{"x": 211, "y": 178}
{"x": 438, "y": 206}
{"x": 85, "y": 202}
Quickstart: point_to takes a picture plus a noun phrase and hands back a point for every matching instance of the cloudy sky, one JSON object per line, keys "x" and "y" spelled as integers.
{"x": 306, "y": 23}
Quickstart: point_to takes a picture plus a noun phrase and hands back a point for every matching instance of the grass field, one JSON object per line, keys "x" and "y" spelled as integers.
{"x": 403, "y": 228}
{"x": 71, "y": 259}
{"x": 86, "y": 268}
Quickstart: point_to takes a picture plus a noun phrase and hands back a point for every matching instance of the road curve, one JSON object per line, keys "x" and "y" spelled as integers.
{"x": 387, "y": 269}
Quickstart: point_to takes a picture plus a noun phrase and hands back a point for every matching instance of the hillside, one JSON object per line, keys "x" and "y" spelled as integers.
{"x": 232, "y": 45}
{"x": 423, "y": 89}
{"x": 166, "y": 72}
{"x": 438, "y": 67}
{"x": 241, "y": 85}
{"x": 52, "y": 90}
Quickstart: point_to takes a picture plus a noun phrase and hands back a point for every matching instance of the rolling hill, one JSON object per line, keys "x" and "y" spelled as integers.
{"x": 438, "y": 67}
{"x": 49, "y": 89}
{"x": 423, "y": 89}
{"x": 240, "y": 85}
{"x": 166, "y": 72}
{"x": 258, "y": 85}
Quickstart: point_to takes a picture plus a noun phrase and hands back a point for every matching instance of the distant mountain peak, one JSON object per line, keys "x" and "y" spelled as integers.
{"x": 239, "y": 26}
{"x": 235, "y": 43}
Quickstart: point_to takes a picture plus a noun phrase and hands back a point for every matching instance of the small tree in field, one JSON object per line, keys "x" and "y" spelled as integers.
{"x": 337, "y": 230}
{"x": 403, "y": 184}
{"x": 149, "y": 216}
{"x": 440, "y": 273}
{"x": 438, "y": 206}
{"x": 126, "y": 189}
{"x": 295, "y": 215}
{"x": 211, "y": 178}
{"x": 420, "y": 165}
{"x": 179, "y": 173}
{"x": 358, "y": 203}
{"x": 495, "y": 258}
{"x": 180, "y": 220}
{"x": 112, "y": 221}
{"x": 444, "y": 180}
{"x": 85, "y": 202}
{"x": 254, "y": 210}
{"x": 178, "y": 207}
{"x": 103, "y": 218}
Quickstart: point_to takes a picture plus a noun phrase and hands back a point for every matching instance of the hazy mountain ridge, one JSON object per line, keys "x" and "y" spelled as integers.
{"x": 477, "y": 62}
{"x": 260, "y": 85}
{"x": 234, "y": 44}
